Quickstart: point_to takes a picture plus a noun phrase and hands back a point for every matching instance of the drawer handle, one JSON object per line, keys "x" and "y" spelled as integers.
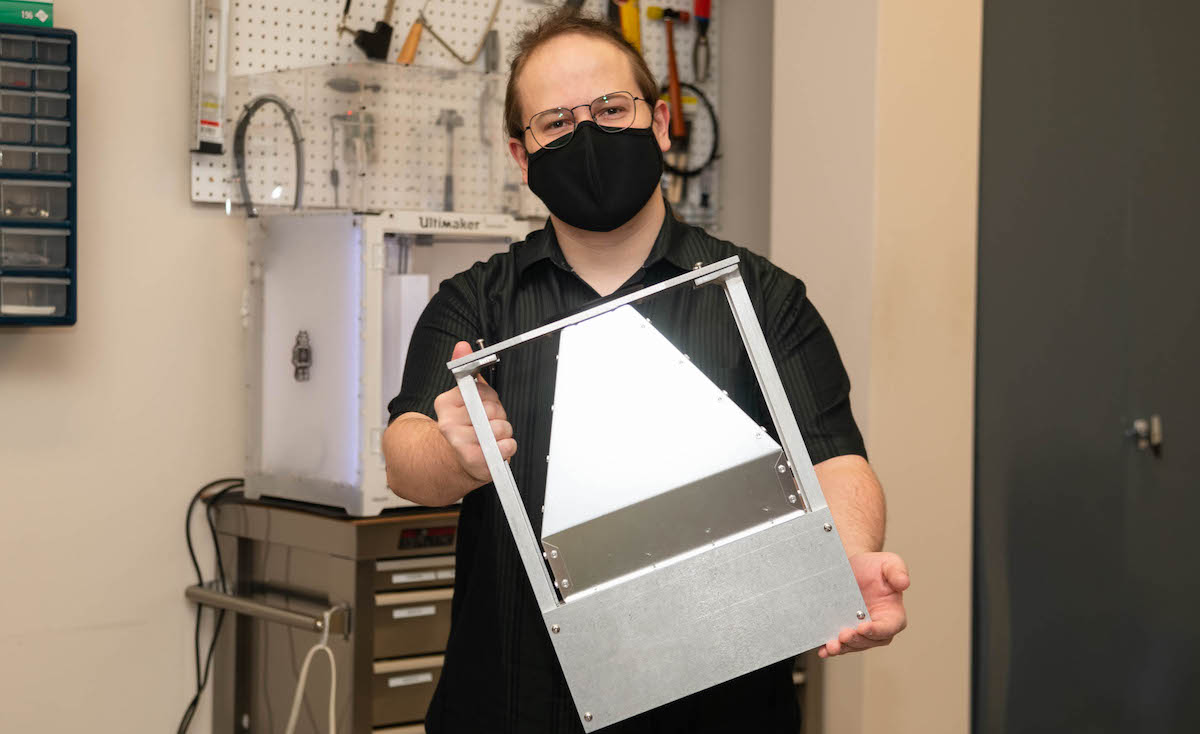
{"x": 413, "y": 577}
{"x": 425, "y": 610}
{"x": 411, "y": 679}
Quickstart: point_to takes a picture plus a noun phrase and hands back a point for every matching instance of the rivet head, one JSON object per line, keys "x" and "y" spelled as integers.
{"x": 566, "y": 583}
{"x": 792, "y": 498}
{"x": 828, "y": 527}
{"x": 554, "y": 554}
{"x": 861, "y": 614}
{"x": 587, "y": 715}
{"x": 555, "y": 628}
{"x": 782, "y": 469}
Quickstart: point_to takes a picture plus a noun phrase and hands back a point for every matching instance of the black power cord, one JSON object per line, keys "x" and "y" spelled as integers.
{"x": 239, "y": 148}
{"x": 714, "y": 151}
{"x": 212, "y": 498}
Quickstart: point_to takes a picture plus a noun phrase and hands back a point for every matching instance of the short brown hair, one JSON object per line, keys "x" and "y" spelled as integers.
{"x": 558, "y": 23}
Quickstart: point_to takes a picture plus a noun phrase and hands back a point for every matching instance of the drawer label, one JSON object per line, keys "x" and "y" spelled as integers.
{"x": 408, "y": 612}
{"x": 409, "y": 680}
{"x": 413, "y": 577}
{"x": 445, "y": 574}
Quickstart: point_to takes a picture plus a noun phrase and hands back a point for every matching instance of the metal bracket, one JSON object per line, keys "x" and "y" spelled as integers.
{"x": 333, "y": 620}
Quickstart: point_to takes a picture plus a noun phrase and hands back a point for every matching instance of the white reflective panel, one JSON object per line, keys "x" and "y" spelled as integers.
{"x": 648, "y": 458}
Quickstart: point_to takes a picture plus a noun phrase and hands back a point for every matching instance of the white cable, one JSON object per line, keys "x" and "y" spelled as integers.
{"x": 322, "y": 644}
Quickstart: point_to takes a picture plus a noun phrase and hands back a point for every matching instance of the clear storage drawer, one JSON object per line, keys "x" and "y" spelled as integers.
{"x": 15, "y": 130}
{"x": 33, "y": 248}
{"x": 52, "y": 78}
{"x": 17, "y": 48}
{"x": 52, "y": 132}
{"x": 33, "y": 296}
{"x": 53, "y": 50}
{"x": 34, "y": 200}
{"x": 13, "y": 102}
{"x": 13, "y": 74}
{"x": 51, "y": 104}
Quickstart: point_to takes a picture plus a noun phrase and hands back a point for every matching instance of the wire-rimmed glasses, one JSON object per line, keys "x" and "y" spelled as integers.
{"x": 612, "y": 113}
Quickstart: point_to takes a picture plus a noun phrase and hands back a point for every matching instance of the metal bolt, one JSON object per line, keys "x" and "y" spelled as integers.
{"x": 587, "y": 715}
{"x": 861, "y": 614}
{"x": 566, "y": 583}
{"x": 547, "y": 458}
{"x": 782, "y": 469}
{"x": 555, "y": 628}
{"x": 554, "y": 554}
{"x": 479, "y": 342}
{"x": 697, "y": 266}
{"x": 792, "y": 498}
{"x": 828, "y": 527}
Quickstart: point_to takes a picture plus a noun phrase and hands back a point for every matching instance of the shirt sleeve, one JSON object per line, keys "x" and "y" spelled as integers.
{"x": 451, "y": 316}
{"x": 810, "y": 368}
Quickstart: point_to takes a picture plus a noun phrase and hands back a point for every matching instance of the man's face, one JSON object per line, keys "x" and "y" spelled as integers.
{"x": 573, "y": 70}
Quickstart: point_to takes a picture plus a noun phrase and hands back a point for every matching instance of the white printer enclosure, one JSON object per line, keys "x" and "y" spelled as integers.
{"x": 330, "y": 307}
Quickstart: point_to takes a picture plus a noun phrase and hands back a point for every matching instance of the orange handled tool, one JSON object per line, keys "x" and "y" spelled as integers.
{"x": 409, "y": 50}
{"x": 669, "y": 16}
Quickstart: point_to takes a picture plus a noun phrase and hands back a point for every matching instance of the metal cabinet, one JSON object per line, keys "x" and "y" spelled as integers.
{"x": 390, "y": 581}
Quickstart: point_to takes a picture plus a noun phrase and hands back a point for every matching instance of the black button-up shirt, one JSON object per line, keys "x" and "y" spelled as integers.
{"x": 501, "y": 673}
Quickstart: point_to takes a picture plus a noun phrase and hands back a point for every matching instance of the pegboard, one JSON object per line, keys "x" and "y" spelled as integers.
{"x": 291, "y": 48}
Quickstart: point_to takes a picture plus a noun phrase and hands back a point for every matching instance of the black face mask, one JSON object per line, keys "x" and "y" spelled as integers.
{"x": 597, "y": 181}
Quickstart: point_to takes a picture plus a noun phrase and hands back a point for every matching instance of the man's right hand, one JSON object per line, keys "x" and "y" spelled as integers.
{"x": 455, "y": 424}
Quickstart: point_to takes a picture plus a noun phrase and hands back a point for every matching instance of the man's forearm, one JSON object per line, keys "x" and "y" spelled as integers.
{"x": 855, "y": 499}
{"x": 421, "y": 465}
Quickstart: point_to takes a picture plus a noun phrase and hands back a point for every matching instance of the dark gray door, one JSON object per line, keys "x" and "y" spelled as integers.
{"x": 1089, "y": 318}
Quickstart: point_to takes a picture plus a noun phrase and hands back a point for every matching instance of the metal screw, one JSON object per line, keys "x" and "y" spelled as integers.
{"x": 782, "y": 469}
{"x": 547, "y": 458}
{"x": 555, "y": 628}
{"x": 554, "y": 554}
{"x": 566, "y": 583}
{"x": 697, "y": 266}
{"x": 479, "y": 342}
{"x": 792, "y": 498}
{"x": 587, "y": 715}
{"x": 861, "y": 614}
{"x": 828, "y": 527}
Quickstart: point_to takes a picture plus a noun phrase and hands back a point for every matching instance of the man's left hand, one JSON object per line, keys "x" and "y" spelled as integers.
{"x": 882, "y": 578}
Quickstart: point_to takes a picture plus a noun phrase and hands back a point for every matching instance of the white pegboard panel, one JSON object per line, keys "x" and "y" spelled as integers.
{"x": 292, "y": 48}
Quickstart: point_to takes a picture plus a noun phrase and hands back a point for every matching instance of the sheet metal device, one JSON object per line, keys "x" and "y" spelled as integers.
{"x": 718, "y": 558}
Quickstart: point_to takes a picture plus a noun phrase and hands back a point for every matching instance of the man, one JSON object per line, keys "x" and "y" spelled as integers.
{"x": 588, "y": 132}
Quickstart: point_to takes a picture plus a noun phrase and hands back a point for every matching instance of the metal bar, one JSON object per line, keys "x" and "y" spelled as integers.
{"x": 510, "y": 499}
{"x": 472, "y": 362}
{"x": 772, "y": 388}
{"x": 260, "y": 610}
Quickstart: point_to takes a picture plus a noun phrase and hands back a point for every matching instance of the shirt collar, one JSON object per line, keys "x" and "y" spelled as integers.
{"x": 669, "y": 245}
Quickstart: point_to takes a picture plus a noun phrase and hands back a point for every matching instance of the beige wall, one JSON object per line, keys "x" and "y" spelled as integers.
{"x": 874, "y": 204}
{"x": 109, "y": 426}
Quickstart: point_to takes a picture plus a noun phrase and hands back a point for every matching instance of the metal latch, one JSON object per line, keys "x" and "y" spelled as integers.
{"x": 1148, "y": 433}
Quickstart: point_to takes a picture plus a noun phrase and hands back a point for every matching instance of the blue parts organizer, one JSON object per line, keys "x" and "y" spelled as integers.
{"x": 38, "y": 229}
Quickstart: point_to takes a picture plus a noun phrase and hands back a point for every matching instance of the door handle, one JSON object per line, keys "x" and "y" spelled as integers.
{"x": 1148, "y": 433}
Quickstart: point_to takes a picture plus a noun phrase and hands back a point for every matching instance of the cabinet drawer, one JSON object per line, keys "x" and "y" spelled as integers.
{"x": 412, "y": 622}
{"x": 401, "y": 689}
{"x": 414, "y": 573}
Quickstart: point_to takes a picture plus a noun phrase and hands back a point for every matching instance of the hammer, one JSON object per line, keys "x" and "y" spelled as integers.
{"x": 669, "y": 16}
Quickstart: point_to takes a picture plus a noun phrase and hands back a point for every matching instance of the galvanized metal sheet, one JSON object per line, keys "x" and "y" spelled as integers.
{"x": 741, "y": 605}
